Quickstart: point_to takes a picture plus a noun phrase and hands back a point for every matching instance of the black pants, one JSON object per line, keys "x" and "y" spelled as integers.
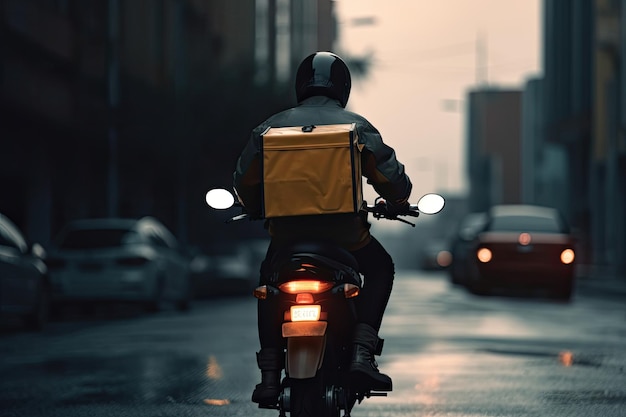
{"x": 377, "y": 268}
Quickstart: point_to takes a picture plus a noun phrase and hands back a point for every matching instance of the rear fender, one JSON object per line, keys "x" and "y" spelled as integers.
{"x": 306, "y": 344}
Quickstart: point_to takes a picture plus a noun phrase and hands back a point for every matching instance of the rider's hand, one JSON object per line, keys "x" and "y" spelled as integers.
{"x": 396, "y": 209}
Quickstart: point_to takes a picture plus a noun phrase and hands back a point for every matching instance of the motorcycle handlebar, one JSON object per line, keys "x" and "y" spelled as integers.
{"x": 379, "y": 211}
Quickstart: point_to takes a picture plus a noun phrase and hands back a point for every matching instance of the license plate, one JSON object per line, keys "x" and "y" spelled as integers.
{"x": 305, "y": 313}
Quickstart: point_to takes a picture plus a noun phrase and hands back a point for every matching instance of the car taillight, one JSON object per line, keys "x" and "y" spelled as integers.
{"x": 132, "y": 261}
{"x": 307, "y": 286}
{"x": 524, "y": 239}
{"x": 444, "y": 259}
{"x": 567, "y": 256}
{"x": 484, "y": 255}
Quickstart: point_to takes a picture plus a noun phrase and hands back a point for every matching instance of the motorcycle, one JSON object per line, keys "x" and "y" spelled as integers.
{"x": 315, "y": 285}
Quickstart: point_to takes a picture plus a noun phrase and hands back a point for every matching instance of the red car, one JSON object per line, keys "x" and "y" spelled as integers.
{"x": 523, "y": 246}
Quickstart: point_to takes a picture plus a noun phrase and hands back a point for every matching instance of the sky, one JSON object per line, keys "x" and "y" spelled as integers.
{"x": 425, "y": 60}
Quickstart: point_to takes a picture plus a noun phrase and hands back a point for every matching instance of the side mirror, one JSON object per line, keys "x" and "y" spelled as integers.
{"x": 431, "y": 203}
{"x": 220, "y": 199}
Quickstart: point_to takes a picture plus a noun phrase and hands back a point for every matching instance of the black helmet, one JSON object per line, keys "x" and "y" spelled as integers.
{"x": 324, "y": 74}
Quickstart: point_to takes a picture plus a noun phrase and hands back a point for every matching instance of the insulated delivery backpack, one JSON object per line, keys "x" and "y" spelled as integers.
{"x": 311, "y": 170}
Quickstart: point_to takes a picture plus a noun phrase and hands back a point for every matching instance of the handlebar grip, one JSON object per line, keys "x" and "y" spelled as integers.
{"x": 413, "y": 213}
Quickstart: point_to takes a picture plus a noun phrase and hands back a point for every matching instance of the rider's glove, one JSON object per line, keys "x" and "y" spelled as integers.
{"x": 396, "y": 209}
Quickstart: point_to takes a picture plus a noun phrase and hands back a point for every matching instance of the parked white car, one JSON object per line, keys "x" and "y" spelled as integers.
{"x": 114, "y": 259}
{"x": 24, "y": 289}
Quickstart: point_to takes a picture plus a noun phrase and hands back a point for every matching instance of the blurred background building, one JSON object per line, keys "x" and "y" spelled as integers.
{"x": 131, "y": 108}
{"x": 494, "y": 141}
{"x": 569, "y": 148}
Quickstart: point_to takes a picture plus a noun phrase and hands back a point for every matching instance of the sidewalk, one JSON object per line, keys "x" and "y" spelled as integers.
{"x": 600, "y": 281}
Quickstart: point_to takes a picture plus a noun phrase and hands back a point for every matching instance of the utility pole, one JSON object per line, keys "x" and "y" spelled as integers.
{"x": 482, "y": 64}
{"x": 181, "y": 128}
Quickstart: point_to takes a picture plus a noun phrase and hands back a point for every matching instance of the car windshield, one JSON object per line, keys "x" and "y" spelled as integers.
{"x": 97, "y": 238}
{"x": 525, "y": 224}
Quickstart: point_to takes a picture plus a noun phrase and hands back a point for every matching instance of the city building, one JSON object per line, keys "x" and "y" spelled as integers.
{"x": 585, "y": 121}
{"x": 493, "y": 143}
{"x": 607, "y": 199}
{"x": 117, "y": 108}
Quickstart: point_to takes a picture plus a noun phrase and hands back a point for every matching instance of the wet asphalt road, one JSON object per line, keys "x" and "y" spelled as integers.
{"x": 449, "y": 353}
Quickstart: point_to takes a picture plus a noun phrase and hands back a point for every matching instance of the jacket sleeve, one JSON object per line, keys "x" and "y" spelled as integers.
{"x": 381, "y": 168}
{"x": 247, "y": 177}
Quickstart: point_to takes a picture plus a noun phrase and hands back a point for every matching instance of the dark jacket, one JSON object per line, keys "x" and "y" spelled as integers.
{"x": 379, "y": 165}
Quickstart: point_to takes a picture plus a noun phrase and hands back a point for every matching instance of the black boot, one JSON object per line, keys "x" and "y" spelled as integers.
{"x": 271, "y": 362}
{"x": 364, "y": 368}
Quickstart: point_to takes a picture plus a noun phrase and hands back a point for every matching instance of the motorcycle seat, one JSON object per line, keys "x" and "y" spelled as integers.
{"x": 323, "y": 249}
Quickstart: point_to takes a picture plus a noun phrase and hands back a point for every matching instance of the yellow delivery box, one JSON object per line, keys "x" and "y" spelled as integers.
{"x": 310, "y": 170}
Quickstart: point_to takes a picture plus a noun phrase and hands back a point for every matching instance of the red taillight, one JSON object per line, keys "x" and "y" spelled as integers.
{"x": 307, "y": 286}
{"x": 567, "y": 256}
{"x": 524, "y": 239}
{"x": 444, "y": 259}
{"x": 304, "y": 298}
{"x": 484, "y": 255}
